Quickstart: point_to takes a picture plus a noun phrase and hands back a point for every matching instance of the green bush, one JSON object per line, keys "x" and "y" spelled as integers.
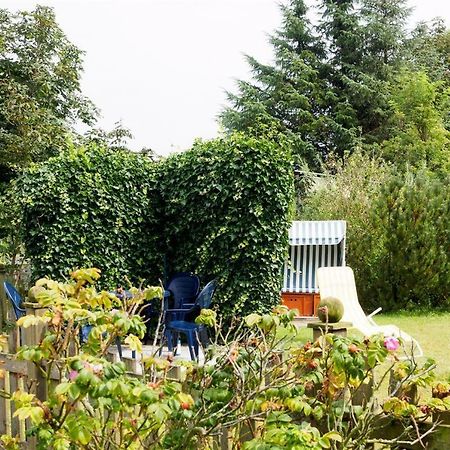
{"x": 350, "y": 195}
{"x": 412, "y": 214}
{"x": 227, "y": 204}
{"x": 92, "y": 207}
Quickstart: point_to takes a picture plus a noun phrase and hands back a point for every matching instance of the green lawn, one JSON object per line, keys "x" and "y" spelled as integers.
{"x": 432, "y": 330}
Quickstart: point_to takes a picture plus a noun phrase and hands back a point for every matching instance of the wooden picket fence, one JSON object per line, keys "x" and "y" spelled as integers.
{"x": 20, "y": 375}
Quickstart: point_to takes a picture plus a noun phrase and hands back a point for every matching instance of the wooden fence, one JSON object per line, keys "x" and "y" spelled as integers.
{"x": 21, "y": 375}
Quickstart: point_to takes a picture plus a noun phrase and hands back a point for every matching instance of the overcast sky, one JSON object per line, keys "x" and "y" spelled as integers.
{"x": 162, "y": 66}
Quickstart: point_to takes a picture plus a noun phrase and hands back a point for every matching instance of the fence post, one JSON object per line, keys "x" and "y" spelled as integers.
{"x": 33, "y": 336}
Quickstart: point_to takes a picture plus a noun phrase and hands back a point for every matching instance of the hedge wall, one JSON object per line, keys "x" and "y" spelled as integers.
{"x": 219, "y": 210}
{"x": 226, "y": 215}
{"x": 92, "y": 207}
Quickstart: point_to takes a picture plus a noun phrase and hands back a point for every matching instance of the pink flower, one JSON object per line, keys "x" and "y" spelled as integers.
{"x": 73, "y": 374}
{"x": 391, "y": 343}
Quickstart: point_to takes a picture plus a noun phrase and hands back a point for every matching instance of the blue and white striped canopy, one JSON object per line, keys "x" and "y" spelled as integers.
{"x": 313, "y": 244}
{"x": 317, "y": 232}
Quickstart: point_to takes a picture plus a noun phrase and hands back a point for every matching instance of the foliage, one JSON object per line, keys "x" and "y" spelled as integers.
{"x": 328, "y": 88}
{"x": 418, "y": 137}
{"x": 411, "y": 215}
{"x": 40, "y": 95}
{"x": 396, "y": 234}
{"x": 92, "y": 206}
{"x": 226, "y": 211}
{"x": 257, "y": 383}
{"x": 428, "y": 50}
{"x": 350, "y": 195}
{"x": 115, "y": 139}
{"x": 11, "y": 246}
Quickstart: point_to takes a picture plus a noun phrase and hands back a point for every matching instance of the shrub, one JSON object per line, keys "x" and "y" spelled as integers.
{"x": 92, "y": 206}
{"x": 350, "y": 195}
{"x": 226, "y": 213}
{"x": 257, "y": 382}
{"x": 411, "y": 213}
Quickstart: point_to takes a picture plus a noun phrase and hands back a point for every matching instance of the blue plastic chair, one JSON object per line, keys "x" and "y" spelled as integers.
{"x": 183, "y": 288}
{"x": 186, "y": 325}
{"x": 15, "y": 299}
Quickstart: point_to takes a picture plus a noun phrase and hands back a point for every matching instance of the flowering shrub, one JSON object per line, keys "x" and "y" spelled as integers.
{"x": 391, "y": 343}
{"x": 258, "y": 388}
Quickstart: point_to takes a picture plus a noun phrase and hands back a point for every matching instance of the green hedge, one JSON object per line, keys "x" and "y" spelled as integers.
{"x": 92, "y": 207}
{"x": 220, "y": 210}
{"x": 227, "y": 204}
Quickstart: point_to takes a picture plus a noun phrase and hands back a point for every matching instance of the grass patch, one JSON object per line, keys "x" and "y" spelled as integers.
{"x": 431, "y": 329}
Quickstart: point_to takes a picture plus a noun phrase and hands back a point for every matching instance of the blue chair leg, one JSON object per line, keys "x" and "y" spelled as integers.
{"x": 167, "y": 338}
{"x": 170, "y": 339}
{"x": 175, "y": 340}
{"x": 191, "y": 344}
{"x": 195, "y": 339}
{"x": 119, "y": 347}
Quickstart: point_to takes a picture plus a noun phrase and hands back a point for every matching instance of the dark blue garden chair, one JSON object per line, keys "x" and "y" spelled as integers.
{"x": 15, "y": 299}
{"x": 186, "y": 325}
{"x": 183, "y": 289}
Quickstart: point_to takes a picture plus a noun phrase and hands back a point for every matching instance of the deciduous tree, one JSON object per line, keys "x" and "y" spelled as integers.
{"x": 40, "y": 94}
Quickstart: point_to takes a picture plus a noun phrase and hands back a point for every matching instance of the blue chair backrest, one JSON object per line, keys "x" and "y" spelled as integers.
{"x": 15, "y": 299}
{"x": 204, "y": 299}
{"x": 184, "y": 287}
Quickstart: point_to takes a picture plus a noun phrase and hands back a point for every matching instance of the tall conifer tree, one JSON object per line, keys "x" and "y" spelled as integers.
{"x": 291, "y": 94}
{"x": 328, "y": 87}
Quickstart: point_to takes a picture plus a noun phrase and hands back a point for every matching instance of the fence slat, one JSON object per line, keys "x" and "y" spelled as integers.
{"x": 22, "y": 435}
{"x": 8, "y": 404}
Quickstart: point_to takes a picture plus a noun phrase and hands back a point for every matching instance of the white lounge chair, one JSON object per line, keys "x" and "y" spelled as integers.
{"x": 339, "y": 282}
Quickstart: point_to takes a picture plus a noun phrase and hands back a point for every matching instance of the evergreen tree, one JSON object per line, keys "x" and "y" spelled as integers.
{"x": 383, "y": 36}
{"x": 327, "y": 88}
{"x": 291, "y": 95}
{"x": 340, "y": 28}
{"x": 365, "y": 41}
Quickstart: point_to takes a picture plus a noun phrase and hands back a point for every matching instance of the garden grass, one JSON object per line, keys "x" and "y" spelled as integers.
{"x": 431, "y": 329}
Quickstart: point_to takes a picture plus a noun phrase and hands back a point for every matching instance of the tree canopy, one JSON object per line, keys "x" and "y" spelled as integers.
{"x": 334, "y": 85}
{"x": 40, "y": 94}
